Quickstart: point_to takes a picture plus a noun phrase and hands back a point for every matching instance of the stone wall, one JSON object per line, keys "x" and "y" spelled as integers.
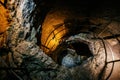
{"x": 21, "y": 57}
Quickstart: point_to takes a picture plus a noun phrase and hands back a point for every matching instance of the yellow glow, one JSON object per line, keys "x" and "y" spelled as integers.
{"x": 51, "y": 35}
{"x": 53, "y": 30}
{"x": 2, "y": 1}
{"x": 3, "y": 19}
{"x": 4, "y": 24}
{"x": 54, "y": 39}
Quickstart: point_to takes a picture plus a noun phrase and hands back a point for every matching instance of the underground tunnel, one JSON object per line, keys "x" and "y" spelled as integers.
{"x": 59, "y": 40}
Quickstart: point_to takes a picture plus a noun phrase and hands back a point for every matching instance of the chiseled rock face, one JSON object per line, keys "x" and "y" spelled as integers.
{"x": 71, "y": 59}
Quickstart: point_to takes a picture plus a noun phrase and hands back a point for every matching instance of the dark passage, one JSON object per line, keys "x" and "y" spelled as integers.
{"x": 76, "y": 51}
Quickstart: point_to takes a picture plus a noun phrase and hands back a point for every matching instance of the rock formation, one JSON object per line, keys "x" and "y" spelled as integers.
{"x": 59, "y": 40}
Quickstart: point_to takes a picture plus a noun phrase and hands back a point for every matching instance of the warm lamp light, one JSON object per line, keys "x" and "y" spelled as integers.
{"x": 4, "y": 24}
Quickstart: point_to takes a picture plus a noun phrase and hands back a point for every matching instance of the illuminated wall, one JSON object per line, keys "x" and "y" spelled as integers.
{"x": 4, "y": 24}
{"x": 53, "y": 29}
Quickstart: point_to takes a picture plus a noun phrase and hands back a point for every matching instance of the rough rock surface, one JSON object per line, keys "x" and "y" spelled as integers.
{"x": 22, "y": 59}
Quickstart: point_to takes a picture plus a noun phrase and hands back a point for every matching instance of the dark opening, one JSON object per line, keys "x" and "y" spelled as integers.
{"x": 81, "y": 49}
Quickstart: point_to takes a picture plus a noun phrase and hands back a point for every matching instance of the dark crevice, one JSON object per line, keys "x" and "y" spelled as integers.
{"x": 80, "y": 48}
